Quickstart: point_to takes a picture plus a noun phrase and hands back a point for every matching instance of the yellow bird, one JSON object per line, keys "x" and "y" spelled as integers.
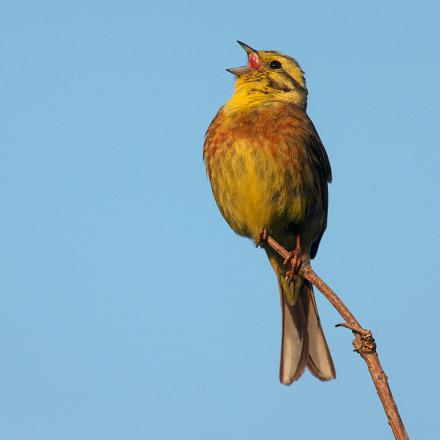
{"x": 269, "y": 173}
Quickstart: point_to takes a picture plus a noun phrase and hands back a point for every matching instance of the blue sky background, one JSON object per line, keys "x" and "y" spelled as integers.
{"x": 128, "y": 309}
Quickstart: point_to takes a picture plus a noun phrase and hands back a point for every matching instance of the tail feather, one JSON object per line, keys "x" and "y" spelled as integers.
{"x": 294, "y": 343}
{"x": 303, "y": 342}
{"x": 320, "y": 361}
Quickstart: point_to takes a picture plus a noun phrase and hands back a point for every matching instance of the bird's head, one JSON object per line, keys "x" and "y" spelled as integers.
{"x": 268, "y": 76}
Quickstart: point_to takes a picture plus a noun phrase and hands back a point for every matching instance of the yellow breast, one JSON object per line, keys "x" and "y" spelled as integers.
{"x": 259, "y": 169}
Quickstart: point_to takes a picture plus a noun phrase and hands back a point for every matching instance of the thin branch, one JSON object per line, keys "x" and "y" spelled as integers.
{"x": 363, "y": 343}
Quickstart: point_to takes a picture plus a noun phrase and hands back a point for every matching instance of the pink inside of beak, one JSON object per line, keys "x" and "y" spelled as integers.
{"x": 254, "y": 61}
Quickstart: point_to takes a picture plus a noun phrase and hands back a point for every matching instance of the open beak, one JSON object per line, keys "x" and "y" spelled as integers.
{"x": 248, "y": 49}
{"x": 254, "y": 61}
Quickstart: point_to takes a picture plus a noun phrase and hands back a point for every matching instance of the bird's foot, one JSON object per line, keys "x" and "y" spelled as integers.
{"x": 294, "y": 259}
{"x": 262, "y": 239}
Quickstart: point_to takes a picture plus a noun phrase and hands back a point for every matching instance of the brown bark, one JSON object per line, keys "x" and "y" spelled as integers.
{"x": 363, "y": 343}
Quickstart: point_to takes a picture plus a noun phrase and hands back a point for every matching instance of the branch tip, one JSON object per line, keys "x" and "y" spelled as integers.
{"x": 364, "y": 343}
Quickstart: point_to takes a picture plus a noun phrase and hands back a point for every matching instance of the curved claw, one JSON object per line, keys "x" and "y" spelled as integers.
{"x": 262, "y": 238}
{"x": 294, "y": 259}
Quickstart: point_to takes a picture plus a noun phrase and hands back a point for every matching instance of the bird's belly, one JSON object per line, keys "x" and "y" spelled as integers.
{"x": 255, "y": 189}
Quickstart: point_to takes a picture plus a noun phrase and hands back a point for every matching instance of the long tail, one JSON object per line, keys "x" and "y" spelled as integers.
{"x": 303, "y": 342}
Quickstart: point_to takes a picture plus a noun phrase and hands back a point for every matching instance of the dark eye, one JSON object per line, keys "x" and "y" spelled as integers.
{"x": 275, "y": 65}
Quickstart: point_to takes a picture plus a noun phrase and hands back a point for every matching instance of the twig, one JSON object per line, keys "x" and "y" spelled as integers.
{"x": 363, "y": 343}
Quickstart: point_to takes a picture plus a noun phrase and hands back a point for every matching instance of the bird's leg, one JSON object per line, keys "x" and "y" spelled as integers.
{"x": 294, "y": 259}
{"x": 263, "y": 238}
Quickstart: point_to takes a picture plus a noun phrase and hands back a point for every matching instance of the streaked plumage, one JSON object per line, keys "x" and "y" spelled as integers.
{"x": 269, "y": 170}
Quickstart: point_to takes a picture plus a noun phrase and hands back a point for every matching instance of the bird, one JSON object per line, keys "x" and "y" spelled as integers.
{"x": 269, "y": 173}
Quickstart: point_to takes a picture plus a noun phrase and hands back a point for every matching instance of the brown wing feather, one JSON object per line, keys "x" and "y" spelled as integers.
{"x": 322, "y": 166}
